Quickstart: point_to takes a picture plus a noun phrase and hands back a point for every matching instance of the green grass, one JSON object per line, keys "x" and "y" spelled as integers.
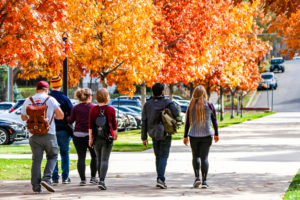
{"x": 20, "y": 169}
{"x": 26, "y": 91}
{"x": 293, "y": 191}
{"x": 130, "y": 141}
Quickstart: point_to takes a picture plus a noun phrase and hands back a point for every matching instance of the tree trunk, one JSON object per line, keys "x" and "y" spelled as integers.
{"x": 208, "y": 92}
{"x": 104, "y": 82}
{"x": 242, "y": 105}
{"x": 171, "y": 88}
{"x": 232, "y": 103}
{"x": 191, "y": 88}
{"x": 221, "y": 104}
{"x": 143, "y": 94}
{"x": 238, "y": 106}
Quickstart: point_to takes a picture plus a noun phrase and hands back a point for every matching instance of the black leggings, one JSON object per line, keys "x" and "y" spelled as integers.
{"x": 81, "y": 145}
{"x": 102, "y": 150}
{"x": 200, "y": 148}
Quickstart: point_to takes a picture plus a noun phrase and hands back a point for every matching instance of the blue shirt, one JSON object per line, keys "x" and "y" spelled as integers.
{"x": 65, "y": 105}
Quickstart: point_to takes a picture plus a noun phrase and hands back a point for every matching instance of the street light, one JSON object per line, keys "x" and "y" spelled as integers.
{"x": 65, "y": 65}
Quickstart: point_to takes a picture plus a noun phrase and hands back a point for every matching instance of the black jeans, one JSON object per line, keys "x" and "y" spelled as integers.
{"x": 102, "y": 149}
{"x": 81, "y": 145}
{"x": 161, "y": 151}
{"x": 200, "y": 149}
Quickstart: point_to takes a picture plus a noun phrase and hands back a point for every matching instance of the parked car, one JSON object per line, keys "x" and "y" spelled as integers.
{"x": 267, "y": 81}
{"x": 5, "y": 106}
{"x": 131, "y": 112}
{"x": 276, "y": 64}
{"x": 136, "y": 98}
{"x": 11, "y": 131}
{"x": 121, "y": 102}
{"x": 136, "y": 109}
{"x": 183, "y": 107}
{"x": 17, "y": 105}
{"x": 130, "y": 122}
{"x": 14, "y": 113}
{"x": 174, "y": 97}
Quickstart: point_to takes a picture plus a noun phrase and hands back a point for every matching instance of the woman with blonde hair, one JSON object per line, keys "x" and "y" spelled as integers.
{"x": 80, "y": 115}
{"x": 199, "y": 116}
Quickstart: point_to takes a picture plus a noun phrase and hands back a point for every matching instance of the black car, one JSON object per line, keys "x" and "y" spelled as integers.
{"x": 11, "y": 131}
{"x": 276, "y": 64}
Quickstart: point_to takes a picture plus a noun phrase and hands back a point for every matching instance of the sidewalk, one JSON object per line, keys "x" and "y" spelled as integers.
{"x": 253, "y": 160}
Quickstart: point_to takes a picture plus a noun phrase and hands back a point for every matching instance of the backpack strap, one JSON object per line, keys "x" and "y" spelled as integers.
{"x": 103, "y": 110}
{"x": 45, "y": 101}
{"x": 32, "y": 101}
{"x": 51, "y": 119}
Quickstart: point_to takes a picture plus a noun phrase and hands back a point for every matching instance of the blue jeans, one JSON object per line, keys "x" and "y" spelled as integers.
{"x": 161, "y": 151}
{"x": 63, "y": 140}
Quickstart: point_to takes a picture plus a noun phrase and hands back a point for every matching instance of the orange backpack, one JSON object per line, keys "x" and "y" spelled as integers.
{"x": 37, "y": 123}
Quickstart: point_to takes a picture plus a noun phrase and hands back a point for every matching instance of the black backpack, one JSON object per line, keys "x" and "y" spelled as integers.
{"x": 103, "y": 129}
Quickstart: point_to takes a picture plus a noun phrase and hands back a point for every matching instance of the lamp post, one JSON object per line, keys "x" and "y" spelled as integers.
{"x": 65, "y": 65}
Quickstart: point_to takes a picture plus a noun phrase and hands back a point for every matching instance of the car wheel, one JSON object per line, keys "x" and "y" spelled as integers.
{"x": 4, "y": 136}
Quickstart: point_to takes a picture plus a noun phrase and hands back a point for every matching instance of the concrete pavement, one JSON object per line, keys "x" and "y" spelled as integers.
{"x": 253, "y": 160}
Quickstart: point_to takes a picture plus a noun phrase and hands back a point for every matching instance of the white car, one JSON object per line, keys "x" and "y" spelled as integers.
{"x": 5, "y": 106}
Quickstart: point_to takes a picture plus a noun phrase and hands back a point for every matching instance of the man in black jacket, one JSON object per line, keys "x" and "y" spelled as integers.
{"x": 152, "y": 124}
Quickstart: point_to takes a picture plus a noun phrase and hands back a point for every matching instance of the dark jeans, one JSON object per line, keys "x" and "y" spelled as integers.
{"x": 102, "y": 150}
{"x": 81, "y": 145}
{"x": 161, "y": 151}
{"x": 39, "y": 144}
{"x": 200, "y": 148}
{"x": 63, "y": 140}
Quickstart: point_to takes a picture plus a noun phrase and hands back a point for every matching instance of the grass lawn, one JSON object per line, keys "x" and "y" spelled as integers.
{"x": 20, "y": 169}
{"x": 130, "y": 140}
{"x": 293, "y": 191}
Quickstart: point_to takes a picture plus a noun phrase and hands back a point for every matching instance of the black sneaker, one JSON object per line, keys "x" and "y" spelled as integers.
{"x": 67, "y": 181}
{"x": 94, "y": 181}
{"x": 204, "y": 185}
{"x": 48, "y": 186}
{"x": 82, "y": 183}
{"x": 161, "y": 184}
{"x": 54, "y": 182}
{"x": 197, "y": 183}
{"x": 101, "y": 185}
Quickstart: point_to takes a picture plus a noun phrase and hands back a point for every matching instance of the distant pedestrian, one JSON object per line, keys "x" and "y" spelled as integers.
{"x": 80, "y": 115}
{"x": 199, "y": 116}
{"x": 63, "y": 137}
{"x": 42, "y": 142}
{"x": 100, "y": 137}
{"x": 152, "y": 124}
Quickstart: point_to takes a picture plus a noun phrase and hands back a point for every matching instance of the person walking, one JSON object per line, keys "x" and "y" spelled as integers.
{"x": 63, "y": 137}
{"x": 102, "y": 145}
{"x": 152, "y": 124}
{"x": 80, "y": 115}
{"x": 46, "y": 142}
{"x": 199, "y": 116}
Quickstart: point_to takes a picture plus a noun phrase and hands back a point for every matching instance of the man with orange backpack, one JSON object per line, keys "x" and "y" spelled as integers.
{"x": 39, "y": 111}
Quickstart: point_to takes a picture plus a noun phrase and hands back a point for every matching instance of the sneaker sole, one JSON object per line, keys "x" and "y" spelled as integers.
{"x": 204, "y": 186}
{"x": 47, "y": 186}
{"x": 100, "y": 187}
{"x": 161, "y": 186}
{"x": 197, "y": 184}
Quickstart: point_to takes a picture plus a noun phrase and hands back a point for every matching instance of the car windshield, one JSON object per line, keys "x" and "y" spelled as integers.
{"x": 267, "y": 76}
{"x": 5, "y": 106}
{"x": 276, "y": 61}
